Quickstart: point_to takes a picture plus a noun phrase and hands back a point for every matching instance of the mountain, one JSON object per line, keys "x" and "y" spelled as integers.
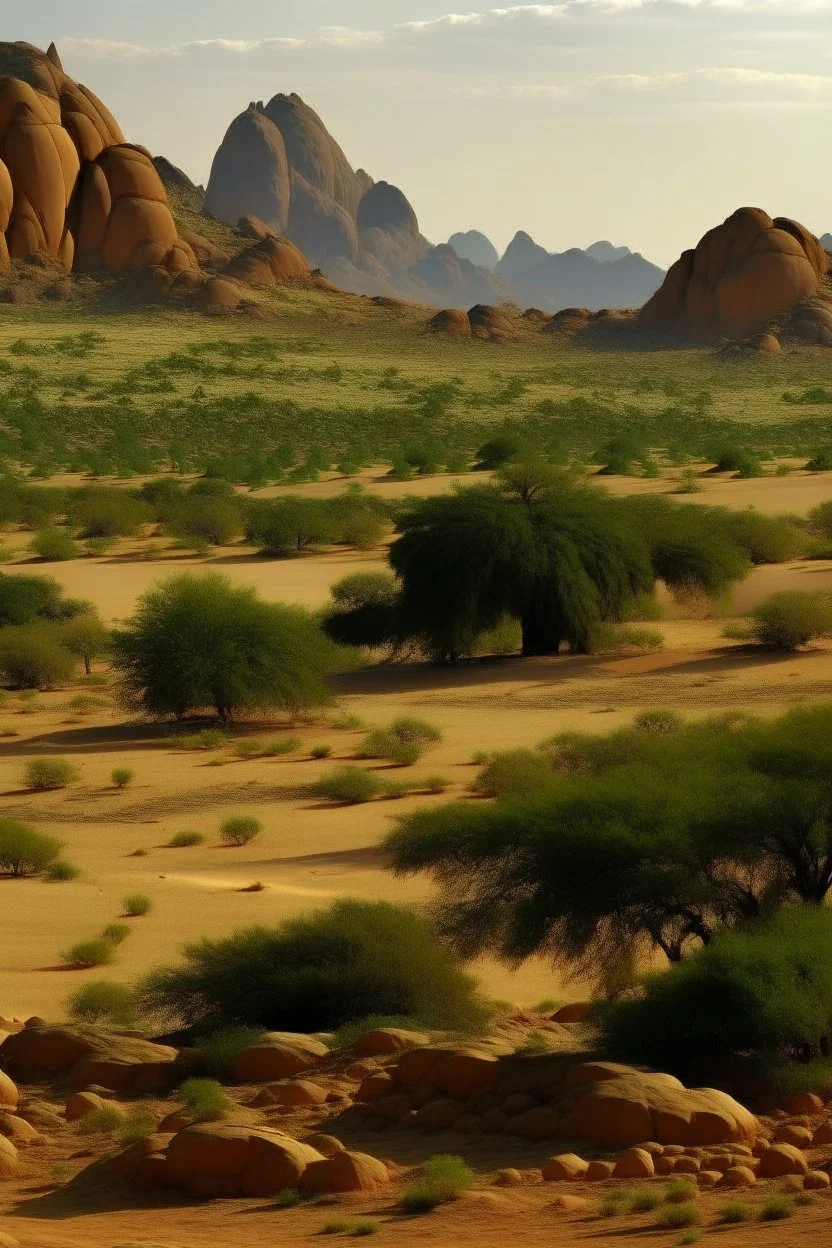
{"x": 603, "y": 276}
{"x": 474, "y": 246}
{"x": 826, "y": 241}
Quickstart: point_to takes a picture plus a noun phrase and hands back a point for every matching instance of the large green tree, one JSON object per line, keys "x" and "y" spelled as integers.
{"x": 197, "y": 642}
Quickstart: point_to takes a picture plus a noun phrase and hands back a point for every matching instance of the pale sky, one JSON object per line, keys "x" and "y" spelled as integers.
{"x": 641, "y": 121}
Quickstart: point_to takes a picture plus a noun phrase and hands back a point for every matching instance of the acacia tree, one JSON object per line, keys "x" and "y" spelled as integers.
{"x": 537, "y": 547}
{"x": 695, "y": 831}
{"x": 197, "y": 641}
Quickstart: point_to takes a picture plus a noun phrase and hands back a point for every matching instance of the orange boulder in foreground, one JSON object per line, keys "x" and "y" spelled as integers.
{"x": 740, "y": 276}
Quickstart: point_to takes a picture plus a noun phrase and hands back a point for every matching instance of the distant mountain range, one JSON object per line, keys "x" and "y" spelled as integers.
{"x": 280, "y": 165}
{"x": 826, "y": 241}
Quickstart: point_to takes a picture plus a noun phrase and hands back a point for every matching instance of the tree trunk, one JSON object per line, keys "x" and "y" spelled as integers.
{"x": 539, "y": 637}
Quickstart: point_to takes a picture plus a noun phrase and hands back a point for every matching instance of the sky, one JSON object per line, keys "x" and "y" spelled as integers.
{"x": 641, "y": 121}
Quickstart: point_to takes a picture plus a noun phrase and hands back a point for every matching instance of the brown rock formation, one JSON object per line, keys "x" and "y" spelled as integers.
{"x": 71, "y": 189}
{"x": 740, "y": 276}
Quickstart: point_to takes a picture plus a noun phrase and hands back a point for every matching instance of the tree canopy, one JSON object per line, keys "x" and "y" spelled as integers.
{"x": 196, "y": 641}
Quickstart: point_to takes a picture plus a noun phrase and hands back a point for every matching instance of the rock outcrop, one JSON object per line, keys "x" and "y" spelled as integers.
{"x": 740, "y": 276}
{"x": 71, "y": 189}
{"x": 120, "y": 1063}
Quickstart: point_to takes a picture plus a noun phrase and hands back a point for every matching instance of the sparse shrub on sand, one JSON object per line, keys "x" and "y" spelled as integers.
{"x": 196, "y": 641}
{"x": 116, "y": 933}
{"x": 735, "y": 1211}
{"x": 122, "y": 776}
{"x": 512, "y": 772}
{"x": 348, "y": 784}
{"x": 321, "y": 751}
{"x": 23, "y": 851}
{"x": 104, "y": 1121}
{"x": 674, "y": 1217}
{"x": 204, "y": 1099}
{"x": 775, "y": 1208}
{"x": 404, "y": 742}
{"x": 788, "y": 620}
{"x": 42, "y": 774}
{"x": 61, "y": 872}
{"x": 89, "y": 953}
{"x": 185, "y": 840}
{"x": 101, "y": 1001}
{"x": 239, "y": 830}
{"x": 86, "y": 638}
{"x": 218, "y": 1051}
{"x": 136, "y": 905}
{"x": 282, "y": 745}
{"x": 441, "y": 1179}
{"x": 54, "y": 545}
{"x": 352, "y": 960}
{"x": 204, "y": 739}
{"x": 32, "y": 657}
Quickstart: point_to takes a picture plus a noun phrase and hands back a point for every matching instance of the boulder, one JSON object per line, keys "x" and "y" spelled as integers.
{"x": 823, "y": 1134}
{"x": 575, "y": 1012}
{"x": 792, "y": 1133}
{"x": 804, "y": 1103}
{"x": 211, "y": 1159}
{"x": 739, "y": 1176}
{"x": 598, "y": 1171}
{"x": 326, "y": 1145}
{"x": 564, "y": 1166}
{"x": 117, "y": 1062}
{"x": 8, "y": 1159}
{"x": 453, "y": 321}
{"x": 375, "y": 1087}
{"x": 782, "y": 1159}
{"x": 635, "y": 1163}
{"x": 815, "y": 1180}
{"x": 271, "y": 262}
{"x": 18, "y": 1130}
{"x": 386, "y": 1040}
{"x": 741, "y": 275}
{"x": 439, "y": 1115}
{"x": 8, "y": 1092}
{"x": 614, "y": 1104}
{"x": 279, "y": 1055}
{"x": 291, "y": 1092}
{"x": 82, "y": 1103}
{"x": 540, "y": 1123}
{"x": 489, "y": 322}
{"x": 345, "y": 1172}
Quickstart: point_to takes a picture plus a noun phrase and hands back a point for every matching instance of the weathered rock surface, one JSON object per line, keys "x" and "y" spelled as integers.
{"x": 345, "y": 1172}
{"x": 8, "y": 1159}
{"x": 279, "y": 1055}
{"x": 116, "y": 1062}
{"x": 8, "y": 1092}
{"x": 475, "y": 246}
{"x": 740, "y": 276}
{"x": 71, "y": 189}
{"x": 217, "y": 1160}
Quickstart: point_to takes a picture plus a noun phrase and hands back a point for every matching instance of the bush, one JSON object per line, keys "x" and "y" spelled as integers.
{"x": 104, "y": 1121}
{"x": 512, "y": 772}
{"x": 776, "y": 1208}
{"x": 734, "y": 1211}
{"x": 442, "y": 1178}
{"x": 674, "y": 1217}
{"x": 315, "y": 973}
{"x": 104, "y": 511}
{"x": 321, "y": 751}
{"x": 205, "y": 739}
{"x": 101, "y": 1001}
{"x": 85, "y": 637}
{"x": 24, "y": 599}
{"x": 33, "y": 657}
{"x": 240, "y": 830}
{"x": 54, "y": 545}
{"x": 219, "y": 1052}
{"x": 136, "y": 905}
{"x": 282, "y": 745}
{"x": 767, "y": 539}
{"x": 290, "y": 525}
{"x": 89, "y": 953}
{"x": 383, "y": 744}
{"x": 116, "y": 933}
{"x": 764, "y": 992}
{"x": 185, "y": 840}
{"x": 49, "y": 773}
{"x": 122, "y": 776}
{"x": 792, "y": 618}
{"x": 23, "y": 851}
{"x": 364, "y": 610}
{"x": 197, "y": 641}
{"x": 204, "y": 1099}
{"x": 61, "y": 872}
{"x": 502, "y": 449}
{"x": 348, "y": 784}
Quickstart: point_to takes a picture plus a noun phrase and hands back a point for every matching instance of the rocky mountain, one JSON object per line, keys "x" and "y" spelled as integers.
{"x": 279, "y": 163}
{"x": 72, "y": 191}
{"x": 474, "y": 246}
{"x": 826, "y": 241}
{"x": 603, "y": 276}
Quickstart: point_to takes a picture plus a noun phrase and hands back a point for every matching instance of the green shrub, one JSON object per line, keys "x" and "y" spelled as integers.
{"x": 615, "y": 636}
{"x": 737, "y": 460}
{"x": 364, "y": 610}
{"x": 734, "y": 1211}
{"x": 101, "y": 1001}
{"x": 138, "y": 1125}
{"x": 792, "y": 618}
{"x": 611, "y": 1206}
{"x": 767, "y": 539}
{"x": 678, "y": 1191}
{"x": 205, "y": 739}
{"x": 674, "y": 1217}
{"x": 185, "y": 840}
{"x": 85, "y": 637}
{"x": 136, "y": 905}
{"x": 658, "y": 721}
{"x": 821, "y": 461}
{"x": 321, "y": 751}
{"x": 61, "y": 872}
{"x": 33, "y": 657}
{"x": 97, "y": 547}
{"x": 116, "y": 933}
{"x": 122, "y": 776}
{"x": 644, "y": 1199}
{"x": 25, "y": 599}
{"x": 383, "y": 744}
{"x": 315, "y": 973}
{"x": 282, "y": 745}
{"x": 104, "y": 1121}
{"x": 104, "y": 511}
{"x": 776, "y": 1208}
{"x": 23, "y": 851}
{"x": 197, "y": 641}
{"x": 287, "y": 1198}
{"x": 239, "y": 830}
{"x": 54, "y": 545}
{"x": 395, "y": 789}
{"x": 204, "y": 1099}
{"x": 764, "y": 992}
{"x": 442, "y": 1178}
{"x": 41, "y": 774}
{"x": 436, "y": 784}
{"x": 220, "y": 1050}
{"x": 348, "y": 784}
{"x": 513, "y": 772}
{"x": 89, "y": 953}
